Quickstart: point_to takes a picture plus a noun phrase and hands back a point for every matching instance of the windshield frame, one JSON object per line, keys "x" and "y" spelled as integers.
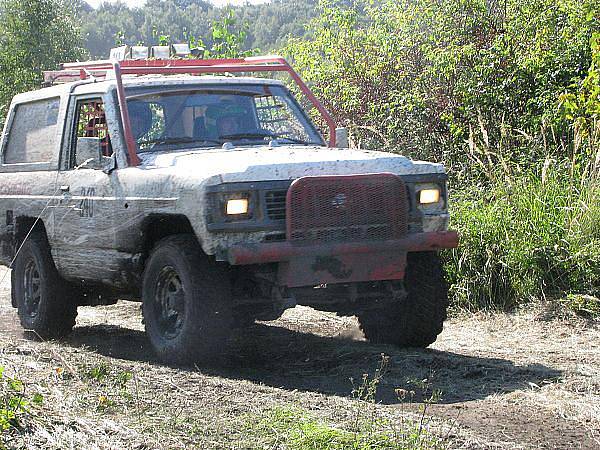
{"x": 138, "y": 92}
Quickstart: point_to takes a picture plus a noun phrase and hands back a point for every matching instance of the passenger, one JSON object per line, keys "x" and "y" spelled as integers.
{"x": 228, "y": 125}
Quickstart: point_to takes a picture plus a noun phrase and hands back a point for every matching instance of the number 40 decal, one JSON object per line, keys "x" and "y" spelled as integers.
{"x": 86, "y": 205}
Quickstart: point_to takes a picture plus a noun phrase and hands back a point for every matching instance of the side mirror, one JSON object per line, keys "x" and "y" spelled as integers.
{"x": 341, "y": 138}
{"x": 89, "y": 153}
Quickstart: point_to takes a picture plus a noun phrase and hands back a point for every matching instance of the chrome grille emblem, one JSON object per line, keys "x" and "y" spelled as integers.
{"x": 339, "y": 201}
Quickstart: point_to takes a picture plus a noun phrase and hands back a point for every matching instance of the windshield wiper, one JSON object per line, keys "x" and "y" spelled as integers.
{"x": 257, "y": 135}
{"x": 267, "y": 135}
{"x": 296, "y": 141}
{"x": 180, "y": 140}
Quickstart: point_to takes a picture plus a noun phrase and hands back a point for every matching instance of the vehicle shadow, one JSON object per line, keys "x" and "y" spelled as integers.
{"x": 293, "y": 360}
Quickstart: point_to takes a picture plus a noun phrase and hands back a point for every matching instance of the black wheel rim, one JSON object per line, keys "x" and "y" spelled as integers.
{"x": 32, "y": 288}
{"x": 169, "y": 303}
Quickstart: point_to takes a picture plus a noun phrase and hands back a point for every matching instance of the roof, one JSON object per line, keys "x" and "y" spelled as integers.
{"x": 89, "y": 86}
{"x": 186, "y": 71}
{"x": 173, "y": 80}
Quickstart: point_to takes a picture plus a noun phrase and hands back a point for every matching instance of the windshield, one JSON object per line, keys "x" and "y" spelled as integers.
{"x": 209, "y": 117}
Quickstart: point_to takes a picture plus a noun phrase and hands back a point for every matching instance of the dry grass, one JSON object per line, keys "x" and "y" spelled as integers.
{"x": 507, "y": 381}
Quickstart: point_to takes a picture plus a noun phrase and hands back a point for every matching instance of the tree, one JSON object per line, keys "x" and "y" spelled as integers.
{"x": 423, "y": 77}
{"x": 269, "y": 24}
{"x": 35, "y": 35}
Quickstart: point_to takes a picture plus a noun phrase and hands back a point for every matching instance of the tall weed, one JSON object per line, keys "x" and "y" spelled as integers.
{"x": 528, "y": 235}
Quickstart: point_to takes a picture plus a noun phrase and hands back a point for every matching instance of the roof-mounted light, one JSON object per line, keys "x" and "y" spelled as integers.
{"x": 139, "y": 52}
{"x": 181, "y": 50}
{"x": 120, "y": 53}
{"x": 161, "y": 52}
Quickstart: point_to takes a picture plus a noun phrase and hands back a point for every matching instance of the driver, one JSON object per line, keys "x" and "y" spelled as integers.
{"x": 228, "y": 125}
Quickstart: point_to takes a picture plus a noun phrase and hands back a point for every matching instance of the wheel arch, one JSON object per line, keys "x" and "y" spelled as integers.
{"x": 24, "y": 226}
{"x": 156, "y": 227}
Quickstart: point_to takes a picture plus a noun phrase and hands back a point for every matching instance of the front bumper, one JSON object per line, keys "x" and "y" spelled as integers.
{"x": 304, "y": 264}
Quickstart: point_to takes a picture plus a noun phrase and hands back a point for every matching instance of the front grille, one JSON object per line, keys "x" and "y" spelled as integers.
{"x": 348, "y": 208}
{"x": 275, "y": 204}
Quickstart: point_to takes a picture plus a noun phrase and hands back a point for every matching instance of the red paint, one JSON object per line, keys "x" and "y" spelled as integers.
{"x": 82, "y": 70}
{"x": 133, "y": 158}
{"x": 285, "y": 251}
{"x": 347, "y": 268}
{"x": 391, "y": 271}
{"x": 312, "y": 215}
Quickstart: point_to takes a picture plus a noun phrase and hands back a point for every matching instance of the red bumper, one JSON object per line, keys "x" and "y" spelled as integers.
{"x": 284, "y": 251}
{"x": 312, "y": 264}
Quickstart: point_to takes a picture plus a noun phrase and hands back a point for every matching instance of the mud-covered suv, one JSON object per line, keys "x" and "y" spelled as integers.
{"x": 214, "y": 200}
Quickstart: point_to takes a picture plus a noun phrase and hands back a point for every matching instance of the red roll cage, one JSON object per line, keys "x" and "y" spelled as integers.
{"x": 98, "y": 69}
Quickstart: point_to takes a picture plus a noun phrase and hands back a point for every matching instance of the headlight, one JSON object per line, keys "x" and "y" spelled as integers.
{"x": 429, "y": 196}
{"x": 237, "y": 206}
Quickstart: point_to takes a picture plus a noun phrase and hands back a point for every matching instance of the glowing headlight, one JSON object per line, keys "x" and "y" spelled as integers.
{"x": 429, "y": 196}
{"x": 237, "y": 206}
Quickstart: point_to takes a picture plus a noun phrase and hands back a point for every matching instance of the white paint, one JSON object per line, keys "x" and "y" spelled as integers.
{"x": 98, "y": 246}
{"x": 281, "y": 163}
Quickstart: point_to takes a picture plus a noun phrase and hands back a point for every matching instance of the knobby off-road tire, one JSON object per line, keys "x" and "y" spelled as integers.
{"x": 186, "y": 302}
{"x": 416, "y": 320}
{"x": 45, "y": 302}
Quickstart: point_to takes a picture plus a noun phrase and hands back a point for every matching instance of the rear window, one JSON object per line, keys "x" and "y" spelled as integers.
{"x": 32, "y": 136}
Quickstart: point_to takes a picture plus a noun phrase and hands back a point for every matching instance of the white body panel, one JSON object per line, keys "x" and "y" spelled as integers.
{"x": 94, "y": 228}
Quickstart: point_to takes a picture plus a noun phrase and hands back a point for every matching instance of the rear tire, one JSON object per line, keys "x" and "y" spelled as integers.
{"x": 418, "y": 319}
{"x": 186, "y": 302}
{"x": 44, "y": 300}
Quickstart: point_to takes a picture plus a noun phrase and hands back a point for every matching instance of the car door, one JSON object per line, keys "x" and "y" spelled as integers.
{"x": 84, "y": 221}
{"x": 29, "y": 154}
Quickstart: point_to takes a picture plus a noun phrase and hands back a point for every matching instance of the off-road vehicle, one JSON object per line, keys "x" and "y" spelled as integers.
{"x": 215, "y": 201}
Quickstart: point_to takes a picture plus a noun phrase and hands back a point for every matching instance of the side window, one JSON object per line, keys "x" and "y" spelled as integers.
{"x": 91, "y": 122}
{"x": 276, "y": 115}
{"x": 32, "y": 135}
{"x": 147, "y": 120}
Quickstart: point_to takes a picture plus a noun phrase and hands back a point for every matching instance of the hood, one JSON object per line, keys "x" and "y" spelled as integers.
{"x": 282, "y": 163}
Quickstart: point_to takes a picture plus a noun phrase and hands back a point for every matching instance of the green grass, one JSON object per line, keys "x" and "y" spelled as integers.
{"x": 526, "y": 237}
{"x": 296, "y": 429}
{"x": 365, "y": 428}
{"x": 15, "y": 403}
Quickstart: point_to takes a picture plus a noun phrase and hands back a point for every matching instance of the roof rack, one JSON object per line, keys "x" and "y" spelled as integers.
{"x": 108, "y": 68}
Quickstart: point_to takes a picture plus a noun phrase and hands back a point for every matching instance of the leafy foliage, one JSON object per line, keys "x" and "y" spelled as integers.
{"x": 580, "y": 104}
{"x": 417, "y": 76}
{"x": 14, "y": 405}
{"x": 35, "y": 35}
{"x": 268, "y": 25}
{"x": 228, "y": 38}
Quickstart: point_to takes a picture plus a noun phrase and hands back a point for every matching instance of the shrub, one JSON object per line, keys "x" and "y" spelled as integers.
{"x": 525, "y": 238}
{"x": 416, "y": 76}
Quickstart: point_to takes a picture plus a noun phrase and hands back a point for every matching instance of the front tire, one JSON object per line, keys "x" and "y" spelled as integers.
{"x": 186, "y": 302}
{"x": 44, "y": 300}
{"x": 418, "y": 319}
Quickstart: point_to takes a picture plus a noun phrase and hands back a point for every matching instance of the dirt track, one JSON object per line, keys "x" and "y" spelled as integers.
{"x": 507, "y": 381}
